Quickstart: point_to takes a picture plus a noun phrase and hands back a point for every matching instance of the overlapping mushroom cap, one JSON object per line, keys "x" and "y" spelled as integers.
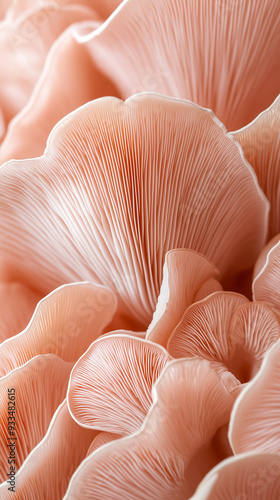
{"x": 260, "y": 141}
{"x": 223, "y": 57}
{"x": 173, "y": 449}
{"x": 115, "y": 376}
{"x": 122, "y": 188}
{"x": 68, "y": 80}
{"x": 119, "y": 185}
{"x": 246, "y": 476}
{"x": 32, "y": 38}
{"x": 228, "y": 62}
{"x": 36, "y": 365}
{"x": 50, "y": 465}
{"x": 24, "y": 45}
{"x": 17, "y": 304}
{"x": 37, "y": 387}
{"x": 254, "y": 424}
{"x": 229, "y": 330}
{"x": 187, "y": 277}
{"x": 64, "y": 323}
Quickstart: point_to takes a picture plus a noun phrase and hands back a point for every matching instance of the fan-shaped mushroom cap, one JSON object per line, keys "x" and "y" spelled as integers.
{"x": 260, "y": 141}
{"x": 174, "y": 447}
{"x": 36, "y": 390}
{"x": 255, "y": 424}
{"x": 266, "y": 283}
{"x": 254, "y": 329}
{"x": 17, "y": 303}
{"x": 228, "y": 329}
{"x": 119, "y": 185}
{"x": 49, "y": 467}
{"x": 245, "y": 477}
{"x": 225, "y": 59}
{"x": 69, "y": 80}
{"x": 64, "y": 323}
{"x": 192, "y": 71}
{"x": 185, "y": 272}
{"x": 110, "y": 387}
{"x": 205, "y": 327}
{"x": 24, "y": 45}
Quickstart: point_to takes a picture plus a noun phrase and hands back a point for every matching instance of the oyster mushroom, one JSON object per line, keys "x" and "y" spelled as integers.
{"x": 187, "y": 275}
{"x": 225, "y": 59}
{"x": 173, "y": 449}
{"x": 254, "y": 423}
{"x": 119, "y": 185}
{"x": 25, "y": 43}
{"x": 49, "y": 466}
{"x": 227, "y": 62}
{"x": 37, "y": 389}
{"x": 68, "y": 80}
{"x": 110, "y": 387}
{"x": 64, "y": 323}
{"x": 17, "y": 304}
{"x": 246, "y": 476}
{"x": 227, "y": 329}
{"x": 260, "y": 141}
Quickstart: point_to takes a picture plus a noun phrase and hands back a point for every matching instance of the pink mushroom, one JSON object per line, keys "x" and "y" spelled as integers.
{"x": 110, "y": 387}
{"x": 254, "y": 424}
{"x": 24, "y": 45}
{"x": 17, "y": 304}
{"x": 223, "y": 57}
{"x": 65, "y": 323}
{"x": 227, "y": 329}
{"x": 187, "y": 276}
{"x": 119, "y": 185}
{"x": 36, "y": 388}
{"x": 175, "y": 446}
{"x": 244, "y": 477}
{"x": 48, "y": 468}
{"x": 260, "y": 141}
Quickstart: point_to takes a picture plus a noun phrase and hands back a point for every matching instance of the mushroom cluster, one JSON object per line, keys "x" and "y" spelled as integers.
{"x": 139, "y": 250}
